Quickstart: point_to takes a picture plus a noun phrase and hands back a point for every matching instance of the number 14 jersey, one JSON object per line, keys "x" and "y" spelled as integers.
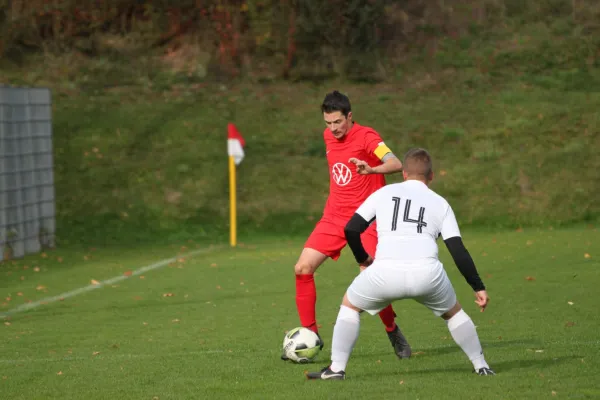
{"x": 410, "y": 217}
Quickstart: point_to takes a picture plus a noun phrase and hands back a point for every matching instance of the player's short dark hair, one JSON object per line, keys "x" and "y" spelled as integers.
{"x": 417, "y": 162}
{"x": 336, "y": 101}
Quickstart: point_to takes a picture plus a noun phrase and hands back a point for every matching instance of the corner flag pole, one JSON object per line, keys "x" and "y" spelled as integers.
{"x": 235, "y": 149}
{"x": 232, "y": 204}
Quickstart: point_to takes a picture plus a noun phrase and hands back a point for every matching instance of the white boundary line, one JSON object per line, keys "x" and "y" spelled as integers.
{"x": 111, "y": 281}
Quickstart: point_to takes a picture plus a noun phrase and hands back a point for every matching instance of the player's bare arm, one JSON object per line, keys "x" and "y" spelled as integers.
{"x": 391, "y": 164}
{"x": 465, "y": 264}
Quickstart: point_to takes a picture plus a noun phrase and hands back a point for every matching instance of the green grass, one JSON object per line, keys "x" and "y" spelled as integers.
{"x": 507, "y": 155}
{"x": 219, "y": 334}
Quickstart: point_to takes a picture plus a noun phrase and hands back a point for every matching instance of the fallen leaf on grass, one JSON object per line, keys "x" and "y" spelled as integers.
{"x": 219, "y": 287}
{"x": 529, "y": 242}
{"x": 59, "y": 373}
{"x": 94, "y": 282}
{"x": 8, "y": 299}
{"x": 59, "y": 259}
{"x": 539, "y": 351}
{"x": 7, "y": 323}
{"x": 175, "y": 320}
{"x": 95, "y": 353}
{"x": 570, "y": 303}
{"x": 402, "y": 382}
{"x": 553, "y": 393}
{"x": 142, "y": 277}
{"x": 44, "y": 255}
{"x": 40, "y": 287}
{"x": 168, "y": 295}
{"x": 587, "y": 255}
{"x": 127, "y": 273}
{"x": 570, "y": 324}
{"x": 213, "y": 265}
{"x": 19, "y": 293}
{"x": 529, "y": 278}
{"x": 37, "y": 269}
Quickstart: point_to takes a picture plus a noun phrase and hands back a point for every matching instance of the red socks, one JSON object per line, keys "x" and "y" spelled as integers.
{"x": 387, "y": 316}
{"x": 306, "y": 301}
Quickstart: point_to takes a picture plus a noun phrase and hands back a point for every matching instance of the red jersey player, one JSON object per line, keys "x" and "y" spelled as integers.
{"x": 357, "y": 158}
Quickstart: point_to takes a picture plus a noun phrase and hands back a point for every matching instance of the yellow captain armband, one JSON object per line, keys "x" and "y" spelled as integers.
{"x": 381, "y": 150}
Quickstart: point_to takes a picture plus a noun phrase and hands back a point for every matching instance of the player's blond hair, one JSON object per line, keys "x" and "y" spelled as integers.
{"x": 417, "y": 163}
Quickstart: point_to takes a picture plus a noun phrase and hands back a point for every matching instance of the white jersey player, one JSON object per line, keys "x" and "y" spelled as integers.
{"x": 410, "y": 217}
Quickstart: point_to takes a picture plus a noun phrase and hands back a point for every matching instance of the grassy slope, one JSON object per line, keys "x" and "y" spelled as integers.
{"x": 511, "y": 119}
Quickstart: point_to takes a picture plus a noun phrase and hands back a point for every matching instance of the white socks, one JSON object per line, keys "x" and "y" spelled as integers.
{"x": 463, "y": 332}
{"x": 345, "y": 333}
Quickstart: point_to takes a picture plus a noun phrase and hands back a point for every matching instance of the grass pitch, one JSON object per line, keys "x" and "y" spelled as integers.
{"x": 211, "y": 326}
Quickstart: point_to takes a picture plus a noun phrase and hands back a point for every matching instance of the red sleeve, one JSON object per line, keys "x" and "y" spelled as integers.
{"x": 375, "y": 145}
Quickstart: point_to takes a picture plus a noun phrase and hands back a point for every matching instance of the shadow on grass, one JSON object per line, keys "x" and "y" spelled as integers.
{"x": 498, "y": 367}
{"x": 453, "y": 348}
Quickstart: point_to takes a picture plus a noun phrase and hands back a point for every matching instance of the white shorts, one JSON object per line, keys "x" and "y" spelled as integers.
{"x": 382, "y": 283}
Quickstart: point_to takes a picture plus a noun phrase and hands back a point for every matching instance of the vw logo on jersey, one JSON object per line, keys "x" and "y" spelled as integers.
{"x": 341, "y": 174}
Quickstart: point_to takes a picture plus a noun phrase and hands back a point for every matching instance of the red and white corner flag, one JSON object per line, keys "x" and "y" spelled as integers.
{"x": 235, "y": 144}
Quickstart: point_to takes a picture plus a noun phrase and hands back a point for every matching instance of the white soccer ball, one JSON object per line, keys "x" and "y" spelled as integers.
{"x": 301, "y": 345}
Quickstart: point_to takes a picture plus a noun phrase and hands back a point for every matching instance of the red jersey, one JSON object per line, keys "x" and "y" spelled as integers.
{"x": 347, "y": 188}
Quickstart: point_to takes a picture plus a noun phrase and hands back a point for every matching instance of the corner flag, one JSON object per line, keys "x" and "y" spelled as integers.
{"x": 235, "y": 144}
{"x": 235, "y": 150}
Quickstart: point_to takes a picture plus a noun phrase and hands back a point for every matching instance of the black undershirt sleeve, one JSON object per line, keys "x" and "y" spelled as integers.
{"x": 353, "y": 229}
{"x": 464, "y": 262}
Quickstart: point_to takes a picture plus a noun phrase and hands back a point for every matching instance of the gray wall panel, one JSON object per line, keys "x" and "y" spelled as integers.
{"x": 27, "y": 203}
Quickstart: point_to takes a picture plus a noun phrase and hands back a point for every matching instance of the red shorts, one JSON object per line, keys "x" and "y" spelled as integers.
{"x": 329, "y": 238}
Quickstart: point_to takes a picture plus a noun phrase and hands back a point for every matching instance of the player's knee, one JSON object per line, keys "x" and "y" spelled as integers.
{"x": 452, "y": 312}
{"x": 303, "y": 268}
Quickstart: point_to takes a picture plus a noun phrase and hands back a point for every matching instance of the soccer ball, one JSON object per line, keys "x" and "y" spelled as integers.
{"x": 301, "y": 345}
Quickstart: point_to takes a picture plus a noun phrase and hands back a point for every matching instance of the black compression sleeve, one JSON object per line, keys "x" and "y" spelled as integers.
{"x": 464, "y": 262}
{"x": 354, "y": 228}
